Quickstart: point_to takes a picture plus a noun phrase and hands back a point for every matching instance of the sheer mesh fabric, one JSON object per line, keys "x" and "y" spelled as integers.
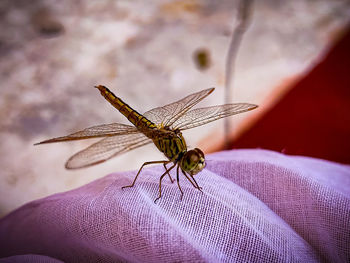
{"x": 256, "y": 206}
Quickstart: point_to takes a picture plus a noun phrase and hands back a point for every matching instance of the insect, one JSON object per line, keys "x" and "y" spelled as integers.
{"x": 162, "y": 126}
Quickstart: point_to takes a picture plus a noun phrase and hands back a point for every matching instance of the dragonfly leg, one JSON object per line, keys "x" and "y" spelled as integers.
{"x": 188, "y": 179}
{"x": 195, "y": 184}
{"x": 160, "y": 182}
{"x": 178, "y": 181}
{"x": 171, "y": 179}
{"x": 198, "y": 187}
{"x": 146, "y": 163}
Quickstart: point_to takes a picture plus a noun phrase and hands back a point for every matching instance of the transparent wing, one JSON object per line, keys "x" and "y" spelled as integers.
{"x": 104, "y": 130}
{"x": 168, "y": 114}
{"x": 201, "y": 116}
{"x": 106, "y": 149}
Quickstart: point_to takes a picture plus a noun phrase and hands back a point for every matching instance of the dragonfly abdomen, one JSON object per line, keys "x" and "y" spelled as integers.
{"x": 132, "y": 115}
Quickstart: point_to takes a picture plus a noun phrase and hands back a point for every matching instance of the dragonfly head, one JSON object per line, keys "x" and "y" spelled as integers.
{"x": 193, "y": 161}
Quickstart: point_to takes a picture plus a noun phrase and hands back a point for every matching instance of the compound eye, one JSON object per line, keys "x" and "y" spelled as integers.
{"x": 193, "y": 161}
{"x": 191, "y": 157}
{"x": 199, "y": 152}
{"x": 194, "y": 158}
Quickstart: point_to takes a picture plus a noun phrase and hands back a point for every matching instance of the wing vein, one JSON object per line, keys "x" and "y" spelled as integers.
{"x": 105, "y": 149}
{"x": 104, "y": 130}
{"x": 201, "y": 116}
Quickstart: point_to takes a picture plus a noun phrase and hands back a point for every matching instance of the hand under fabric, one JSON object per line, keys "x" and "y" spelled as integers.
{"x": 256, "y": 206}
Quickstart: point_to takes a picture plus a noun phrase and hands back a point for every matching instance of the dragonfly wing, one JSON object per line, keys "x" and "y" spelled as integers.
{"x": 201, "y": 116}
{"x": 104, "y": 130}
{"x": 168, "y": 114}
{"x": 106, "y": 149}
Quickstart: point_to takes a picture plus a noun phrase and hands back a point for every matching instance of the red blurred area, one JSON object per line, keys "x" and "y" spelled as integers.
{"x": 313, "y": 118}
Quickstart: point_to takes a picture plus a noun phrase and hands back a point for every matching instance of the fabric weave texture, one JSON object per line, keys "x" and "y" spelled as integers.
{"x": 256, "y": 206}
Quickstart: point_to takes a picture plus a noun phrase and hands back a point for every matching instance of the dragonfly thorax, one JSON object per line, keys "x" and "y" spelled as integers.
{"x": 170, "y": 142}
{"x": 193, "y": 161}
{"x": 173, "y": 145}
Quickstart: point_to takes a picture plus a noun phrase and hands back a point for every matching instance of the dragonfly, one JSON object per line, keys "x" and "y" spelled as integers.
{"x": 161, "y": 126}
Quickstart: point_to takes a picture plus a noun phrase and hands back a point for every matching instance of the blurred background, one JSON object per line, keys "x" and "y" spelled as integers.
{"x": 293, "y": 62}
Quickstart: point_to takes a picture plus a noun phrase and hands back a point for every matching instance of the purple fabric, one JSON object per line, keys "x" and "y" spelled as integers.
{"x": 256, "y": 206}
{"x": 29, "y": 259}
